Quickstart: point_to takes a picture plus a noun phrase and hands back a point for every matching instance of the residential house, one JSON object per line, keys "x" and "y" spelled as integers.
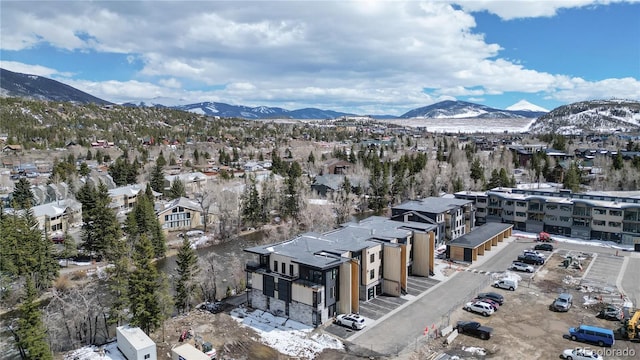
{"x": 56, "y": 217}
{"x": 124, "y": 198}
{"x": 193, "y": 182}
{"x": 454, "y": 217}
{"x": 12, "y": 149}
{"x": 336, "y": 166}
{"x": 181, "y": 214}
{"x": 326, "y": 184}
{"x": 251, "y": 166}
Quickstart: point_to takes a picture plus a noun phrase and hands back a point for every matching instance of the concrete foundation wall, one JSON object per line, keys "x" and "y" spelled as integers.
{"x": 258, "y": 300}
{"x": 277, "y": 307}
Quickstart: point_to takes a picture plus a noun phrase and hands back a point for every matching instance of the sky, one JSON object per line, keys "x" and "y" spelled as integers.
{"x": 363, "y": 57}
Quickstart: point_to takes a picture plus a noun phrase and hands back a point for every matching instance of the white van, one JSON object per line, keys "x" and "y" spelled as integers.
{"x": 508, "y": 284}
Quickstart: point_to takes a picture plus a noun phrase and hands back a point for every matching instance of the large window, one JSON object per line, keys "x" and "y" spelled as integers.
{"x": 598, "y": 211}
{"x": 372, "y": 274}
{"x": 372, "y": 257}
{"x": 599, "y": 222}
{"x": 275, "y": 265}
{"x": 615, "y": 212}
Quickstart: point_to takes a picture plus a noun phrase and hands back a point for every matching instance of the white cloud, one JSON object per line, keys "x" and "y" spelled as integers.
{"x": 170, "y": 83}
{"x": 27, "y": 68}
{"x": 509, "y": 9}
{"x": 344, "y": 55}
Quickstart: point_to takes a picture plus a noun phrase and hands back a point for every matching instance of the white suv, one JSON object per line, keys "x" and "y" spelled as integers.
{"x": 479, "y": 307}
{"x": 520, "y": 266}
{"x": 354, "y": 321}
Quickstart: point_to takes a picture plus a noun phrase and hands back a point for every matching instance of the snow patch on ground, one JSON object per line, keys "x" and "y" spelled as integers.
{"x": 475, "y": 350}
{"x": 106, "y": 352}
{"x": 560, "y": 238}
{"x": 287, "y": 336}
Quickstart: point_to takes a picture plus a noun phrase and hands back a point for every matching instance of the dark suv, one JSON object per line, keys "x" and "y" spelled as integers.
{"x": 493, "y": 296}
{"x": 544, "y": 247}
{"x": 531, "y": 259}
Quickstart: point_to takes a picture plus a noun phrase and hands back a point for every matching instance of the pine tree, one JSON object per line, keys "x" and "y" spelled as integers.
{"x": 161, "y": 161}
{"x": 618, "y": 162}
{"x": 378, "y": 185}
{"x": 32, "y": 335}
{"x": 251, "y": 205}
{"x": 22, "y": 196}
{"x": 118, "y": 286}
{"x": 177, "y": 189}
{"x": 144, "y": 288}
{"x": 143, "y": 220}
{"x": 572, "y": 178}
{"x": 101, "y": 229}
{"x": 291, "y": 199}
{"x": 477, "y": 170}
{"x": 187, "y": 269}
{"x": 157, "y": 178}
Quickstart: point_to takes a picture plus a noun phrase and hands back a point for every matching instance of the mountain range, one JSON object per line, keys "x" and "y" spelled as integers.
{"x": 576, "y": 118}
{"x": 450, "y": 109}
{"x": 604, "y": 116}
{"x": 37, "y": 87}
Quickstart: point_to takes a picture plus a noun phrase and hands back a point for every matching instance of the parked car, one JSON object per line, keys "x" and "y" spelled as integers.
{"x": 611, "y": 312}
{"x": 531, "y": 259}
{"x": 508, "y": 284}
{"x": 520, "y": 266}
{"x": 474, "y": 328}
{"x": 354, "y": 321}
{"x": 533, "y": 252}
{"x": 580, "y": 354}
{"x": 493, "y": 303}
{"x": 479, "y": 307}
{"x": 543, "y": 247}
{"x": 493, "y": 296}
{"x": 563, "y": 302}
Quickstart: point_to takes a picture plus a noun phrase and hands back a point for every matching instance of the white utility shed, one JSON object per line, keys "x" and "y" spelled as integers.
{"x": 134, "y": 344}
{"x": 187, "y": 352}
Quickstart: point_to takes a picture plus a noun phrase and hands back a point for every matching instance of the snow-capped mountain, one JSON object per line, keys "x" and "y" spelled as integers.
{"x": 37, "y": 87}
{"x": 259, "y": 112}
{"x": 524, "y": 105}
{"x": 450, "y": 109}
{"x": 583, "y": 117}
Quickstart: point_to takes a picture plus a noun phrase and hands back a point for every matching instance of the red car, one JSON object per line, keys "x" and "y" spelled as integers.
{"x": 494, "y": 304}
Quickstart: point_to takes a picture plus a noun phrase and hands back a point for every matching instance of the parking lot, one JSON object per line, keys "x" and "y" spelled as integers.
{"x": 526, "y": 328}
{"x": 375, "y": 309}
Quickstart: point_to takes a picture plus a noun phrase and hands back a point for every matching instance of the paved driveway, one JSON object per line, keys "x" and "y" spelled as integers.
{"x": 394, "y": 333}
{"x": 375, "y": 309}
{"x": 630, "y": 281}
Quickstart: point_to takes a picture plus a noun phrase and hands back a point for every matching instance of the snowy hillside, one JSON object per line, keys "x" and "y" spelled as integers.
{"x": 604, "y": 116}
{"x": 524, "y": 105}
{"x": 462, "y": 110}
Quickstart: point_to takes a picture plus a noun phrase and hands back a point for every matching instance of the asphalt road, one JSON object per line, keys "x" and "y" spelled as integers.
{"x": 393, "y": 334}
{"x": 631, "y": 279}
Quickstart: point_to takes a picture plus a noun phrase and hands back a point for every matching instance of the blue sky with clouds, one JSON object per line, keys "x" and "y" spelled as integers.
{"x": 366, "y": 57}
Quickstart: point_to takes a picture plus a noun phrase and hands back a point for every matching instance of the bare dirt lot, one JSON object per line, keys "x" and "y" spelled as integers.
{"x": 526, "y": 328}
{"x": 230, "y": 339}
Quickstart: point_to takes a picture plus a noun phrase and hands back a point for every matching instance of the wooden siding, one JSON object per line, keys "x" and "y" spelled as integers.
{"x": 392, "y": 270}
